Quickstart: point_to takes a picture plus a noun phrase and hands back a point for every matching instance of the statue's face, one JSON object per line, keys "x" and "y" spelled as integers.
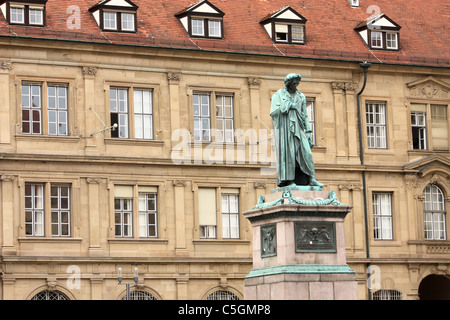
{"x": 293, "y": 84}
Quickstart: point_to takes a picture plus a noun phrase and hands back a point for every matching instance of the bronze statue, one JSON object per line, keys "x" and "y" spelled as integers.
{"x": 292, "y": 136}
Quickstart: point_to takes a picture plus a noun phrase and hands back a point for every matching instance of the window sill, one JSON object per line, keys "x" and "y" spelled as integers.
{"x": 47, "y": 138}
{"x": 134, "y": 240}
{"x": 426, "y": 152}
{"x": 220, "y": 241}
{"x": 48, "y": 239}
{"x": 127, "y": 141}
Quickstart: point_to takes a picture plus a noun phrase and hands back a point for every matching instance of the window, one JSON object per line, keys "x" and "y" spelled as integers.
{"x": 119, "y": 112}
{"x": 377, "y": 39}
{"x": 223, "y": 117}
{"x": 34, "y": 210}
{"x": 229, "y": 209}
{"x": 17, "y": 15}
{"x": 58, "y": 209}
{"x": 384, "y": 294}
{"x": 207, "y": 213}
{"x": 379, "y": 32}
{"x": 285, "y": 26}
{"x": 354, "y": 3}
{"x": 215, "y": 28}
{"x": 391, "y": 40}
{"x": 198, "y": 27}
{"x": 55, "y": 110}
{"x": 206, "y": 27}
{"x": 109, "y": 20}
{"x": 419, "y": 126}
{"x": 128, "y": 22}
{"x": 230, "y": 216}
{"x": 382, "y": 216}
{"x": 140, "y": 295}
{"x": 202, "y": 117}
{"x": 202, "y": 20}
{"x": 115, "y": 15}
{"x": 434, "y": 213}
{"x": 26, "y": 14}
{"x": 289, "y": 33}
{"x": 439, "y": 127}
{"x": 50, "y": 295}
{"x": 424, "y": 116}
{"x": 31, "y": 108}
{"x": 140, "y": 109}
{"x": 123, "y": 211}
{"x": 384, "y": 40}
{"x": 376, "y": 125}
{"x": 147, "y": 214}
{"x": 143, "y": 114}
{"x": 222, "y": 295}
{"x": 310, "y": 109}
{"x": 119, "y": 21}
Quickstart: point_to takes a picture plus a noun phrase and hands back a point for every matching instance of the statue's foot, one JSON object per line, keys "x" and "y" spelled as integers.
{"x": 314, "y": 183}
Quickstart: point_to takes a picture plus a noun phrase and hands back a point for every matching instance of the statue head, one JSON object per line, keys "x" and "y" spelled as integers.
{"x": 292, "y": 76}
{"x": 291, "y": 81}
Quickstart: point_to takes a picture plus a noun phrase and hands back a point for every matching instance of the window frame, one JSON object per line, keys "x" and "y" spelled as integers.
{"x": 118, "y": 14}
{"x": 131, "y": 113}
{"x": 434, "y": 213}
{"x": 47, "y": 209}
{"x": 384, "y": 39}
{"x": 382, "y": 125}
{"x": 133, "y": 194}
{"x": 289, "y": 33}
{"x": 205, "y": 20}
{"x": 59, "y": 210}
{"x": 44, "y": 108}
{"x": 147, "y": 213}
{"x": 120, "y": 213}
{"x": 427, "y": 110}
{"x": 213, "y": 116}
{"x": 380, "y": 216}
{"x": 216, "y": 232}
{"x": 26, "y": 13}
{"x": 228, "y": 215}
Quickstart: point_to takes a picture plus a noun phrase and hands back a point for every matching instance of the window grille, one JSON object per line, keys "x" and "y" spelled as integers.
{"x": 50, "y": 295}
{"x": 384, "y": 294}
{"x": 222, "y": 295}
{"x": 140, "y": 295}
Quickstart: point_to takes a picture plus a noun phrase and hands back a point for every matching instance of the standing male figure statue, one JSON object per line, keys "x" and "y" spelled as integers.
{"x": 292, "y": 136}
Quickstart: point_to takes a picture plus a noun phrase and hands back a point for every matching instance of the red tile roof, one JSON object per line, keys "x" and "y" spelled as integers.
{"x": 330, "y": 34}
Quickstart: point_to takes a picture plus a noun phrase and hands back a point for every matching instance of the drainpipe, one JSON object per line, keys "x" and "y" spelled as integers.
{"x": 365, "y": 65}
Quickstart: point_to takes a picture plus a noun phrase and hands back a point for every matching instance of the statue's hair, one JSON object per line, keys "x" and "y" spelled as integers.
{"x": 292, "y": 76}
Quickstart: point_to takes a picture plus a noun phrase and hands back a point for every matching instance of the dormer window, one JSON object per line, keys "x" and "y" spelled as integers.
{"x": 27, "y": 13}
{"x": 285, "y": 26}
{"x": 115, "y": 16}
{"x": 202, "y": 20}
{"x": 354, "y": 3}
{"x": 380, "y": 33}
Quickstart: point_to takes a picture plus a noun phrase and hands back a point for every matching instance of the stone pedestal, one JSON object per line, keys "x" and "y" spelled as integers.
{"x": 299, "y": 247}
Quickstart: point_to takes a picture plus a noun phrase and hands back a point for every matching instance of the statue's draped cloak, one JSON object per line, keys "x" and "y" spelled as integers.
{"x": 293, "y": 147}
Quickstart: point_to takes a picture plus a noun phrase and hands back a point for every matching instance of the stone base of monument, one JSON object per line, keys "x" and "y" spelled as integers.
{"x": 299, "y": 247}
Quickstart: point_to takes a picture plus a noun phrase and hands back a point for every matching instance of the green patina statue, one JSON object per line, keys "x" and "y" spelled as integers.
{"x": 292, "y": 136}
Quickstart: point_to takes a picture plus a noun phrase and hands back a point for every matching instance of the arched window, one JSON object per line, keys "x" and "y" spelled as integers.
{"x": 50, "y": 295}
{"x": 140, "y": 295}
{"x": 384, "y": 294}
{"x": 434, "y": 213}
{"x": 222, "y": 295}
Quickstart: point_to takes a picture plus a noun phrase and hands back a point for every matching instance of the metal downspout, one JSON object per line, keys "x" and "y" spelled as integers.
{"x": 365, "y": 65}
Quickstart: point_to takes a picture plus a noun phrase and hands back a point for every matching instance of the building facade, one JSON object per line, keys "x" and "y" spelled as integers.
{"x": 133, "y": 145}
